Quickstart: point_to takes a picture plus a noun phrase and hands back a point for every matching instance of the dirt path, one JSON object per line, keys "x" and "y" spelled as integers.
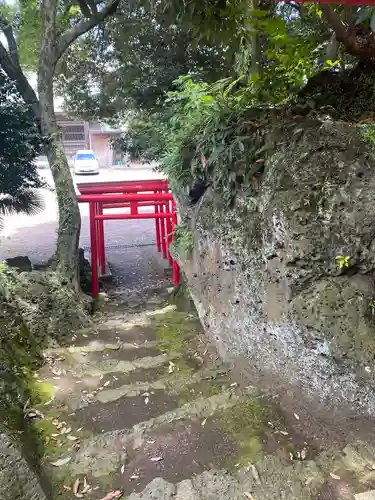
{"x": 142, "y": 405}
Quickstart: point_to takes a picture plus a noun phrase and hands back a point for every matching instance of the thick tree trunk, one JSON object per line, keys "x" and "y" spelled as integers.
{"x": 66, "y": 256}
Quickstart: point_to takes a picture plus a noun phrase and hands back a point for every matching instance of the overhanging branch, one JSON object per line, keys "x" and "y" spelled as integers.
{"x": 7, "y": 29}
{"x": 334, "y": 20}
{"x": 358, "y": 40}
{"x": 72, "y": 34}
{"x": 15, "y": 73}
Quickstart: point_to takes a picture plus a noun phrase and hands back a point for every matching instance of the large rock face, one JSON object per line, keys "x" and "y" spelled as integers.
{"x": 17, "y": 479}
{"x": 265, "y": 276}
{"x": 37, "y": 309}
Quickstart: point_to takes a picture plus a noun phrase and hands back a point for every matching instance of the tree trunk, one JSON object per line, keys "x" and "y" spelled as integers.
{"x": 66, "y": 256}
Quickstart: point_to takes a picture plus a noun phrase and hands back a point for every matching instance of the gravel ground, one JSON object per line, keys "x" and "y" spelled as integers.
{"x": 35, "y": 236}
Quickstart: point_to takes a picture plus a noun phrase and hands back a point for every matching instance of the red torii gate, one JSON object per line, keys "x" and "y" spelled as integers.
{"x": 129, "y": 194}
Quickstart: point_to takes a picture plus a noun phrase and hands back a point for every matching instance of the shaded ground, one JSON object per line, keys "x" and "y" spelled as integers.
{"x": 141, "y": 404}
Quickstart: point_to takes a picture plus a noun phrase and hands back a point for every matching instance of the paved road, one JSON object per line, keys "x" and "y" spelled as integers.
{"x": 35, "y": 236}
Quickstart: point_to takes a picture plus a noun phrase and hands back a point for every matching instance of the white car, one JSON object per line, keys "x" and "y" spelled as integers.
{"x": 85, "y": 162}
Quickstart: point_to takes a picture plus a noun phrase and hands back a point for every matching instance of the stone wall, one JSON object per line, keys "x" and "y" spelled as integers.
{"x": 17, "y": 480}
{"x": 264, "y": 275}
{"x": 37, "y": 309}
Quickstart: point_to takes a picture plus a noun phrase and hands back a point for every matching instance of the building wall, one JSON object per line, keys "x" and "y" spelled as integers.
{"x": 75, "y": 135}
{"x": 100, "y": 144}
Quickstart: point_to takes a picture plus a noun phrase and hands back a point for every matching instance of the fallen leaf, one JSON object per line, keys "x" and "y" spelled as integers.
{"x": 134, "y": 476}
{"x": 112, "y": 494}
{"x": 114, "y": 378}
{"x": 249, "y": 495}
{"x": 255, "y": 473}
{"x": 55, "y": 435}
{"x": 204, "y": 422}
{"x": 61, "y": 461}
{"x": 84, "y": 353}
{"x": 86, "y": 486}
{"x": 284, "y": 433}
{"x": 65, "y": 430}
{"x": 150, "y": 441}
{"x": 79, "y": 430}
{"x": 296, "y": 416}
{"x": 334, "y": 476}
{"x": 67, "y": 487}
{"x": 106, "y": 383}
{"x": 147, "y": 399}
{"x": 122, "y": 469}
{"x": 171, "y": 367}
{"x": 71, "y": 438}
{"x": 234, "y": 384}
{"x": 156, "y": 459}
{"x": 76, "y": 486}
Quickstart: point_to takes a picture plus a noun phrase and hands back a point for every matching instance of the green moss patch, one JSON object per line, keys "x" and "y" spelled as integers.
{"x": 246, "y": 422}
{"x": 174, "y": 329}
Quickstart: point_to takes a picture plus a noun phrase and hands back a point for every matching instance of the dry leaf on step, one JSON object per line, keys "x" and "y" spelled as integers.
{"x": 122, "y": 468}
{"x": 113, "y": 494}
{"x": 204, "y": 422}
{"x": 106, "y": 383}
{"x": 76, "y": 486}
{"x": 334, "y": 476}
{"x": 255, "y": 473}
{"x": 86, "y": 486}
{"x": 61, "y": 461}
{"x": 249, "y": 495}
{"x": 156, "y": 459}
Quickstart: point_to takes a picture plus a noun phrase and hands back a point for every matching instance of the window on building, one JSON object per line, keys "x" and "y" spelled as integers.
{"x": 73, "y": 133}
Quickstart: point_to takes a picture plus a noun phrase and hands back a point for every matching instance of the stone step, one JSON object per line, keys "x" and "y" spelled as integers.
{"x": 272, "y": 480}
{"x": 103, "y": 454}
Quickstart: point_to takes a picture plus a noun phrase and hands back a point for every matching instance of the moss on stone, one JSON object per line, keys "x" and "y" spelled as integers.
{"x": 40, "y": 392}
{"x": 245, "y": 422}
{"x": 174, "y": 329}
{"x": 204, "y": 388}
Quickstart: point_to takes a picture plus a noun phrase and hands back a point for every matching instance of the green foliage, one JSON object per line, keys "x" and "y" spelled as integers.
{"x": 132, "y": 63}
{"x": 342, "y": 261}
{"x": 183, "y": 241}
{"x": 201, "y": 136}
{"x": 20, "y": 143}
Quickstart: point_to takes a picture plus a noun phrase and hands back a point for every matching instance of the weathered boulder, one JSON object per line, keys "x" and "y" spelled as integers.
{"x": 37, "y": 309}
{"x": 17, "y": 479}
{"x": 284, "y": 280}
{"x": 46, "y": 304}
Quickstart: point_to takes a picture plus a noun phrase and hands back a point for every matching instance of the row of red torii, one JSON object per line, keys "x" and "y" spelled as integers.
{"x": 152, "y": 193}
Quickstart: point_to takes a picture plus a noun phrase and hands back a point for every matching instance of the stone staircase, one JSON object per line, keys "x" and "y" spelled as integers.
{"x": 141, "y": 406}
